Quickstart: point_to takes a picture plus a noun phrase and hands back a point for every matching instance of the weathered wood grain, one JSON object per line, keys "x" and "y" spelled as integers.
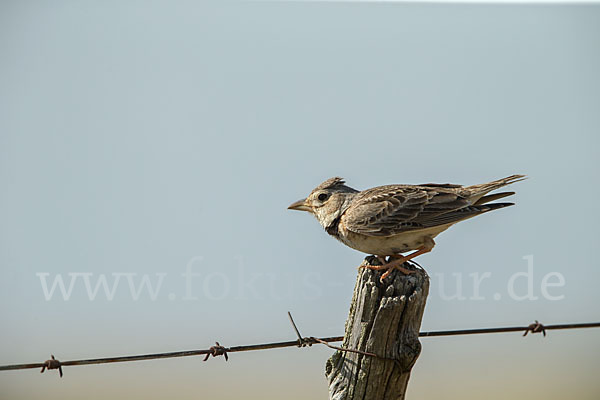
{"x": 384, "y": 319}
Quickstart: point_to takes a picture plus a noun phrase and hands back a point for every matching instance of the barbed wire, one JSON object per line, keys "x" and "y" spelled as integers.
{"x": 219, "y": 350}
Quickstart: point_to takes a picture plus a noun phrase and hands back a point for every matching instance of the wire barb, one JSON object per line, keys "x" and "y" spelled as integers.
{"x": 216, "y": 351}
{"x": 53, "y": 363}
{"x": 301, "y": 341}
{"x": 536, "y": 327}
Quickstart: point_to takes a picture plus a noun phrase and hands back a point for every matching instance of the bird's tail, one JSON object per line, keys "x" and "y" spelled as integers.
{"x": 491, "y": 197}
{"x": 479, "y": 192}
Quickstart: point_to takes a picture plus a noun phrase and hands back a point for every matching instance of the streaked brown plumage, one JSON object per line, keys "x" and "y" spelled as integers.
{"x": 393, "y": 219}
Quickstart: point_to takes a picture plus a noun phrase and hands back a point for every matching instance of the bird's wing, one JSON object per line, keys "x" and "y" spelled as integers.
{"x": 393, "y": 209}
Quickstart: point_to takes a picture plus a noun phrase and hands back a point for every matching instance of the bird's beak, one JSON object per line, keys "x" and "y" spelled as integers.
{"x": 300, "y": 205}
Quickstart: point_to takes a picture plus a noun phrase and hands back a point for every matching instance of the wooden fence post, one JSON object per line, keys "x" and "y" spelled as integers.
{"x": 384, "y": 319}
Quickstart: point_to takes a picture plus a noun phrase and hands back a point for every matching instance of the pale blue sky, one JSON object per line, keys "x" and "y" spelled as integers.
{"x": 143, "y": 136}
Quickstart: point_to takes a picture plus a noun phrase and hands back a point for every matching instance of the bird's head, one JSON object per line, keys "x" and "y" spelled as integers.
{"x": 327, "y": 201}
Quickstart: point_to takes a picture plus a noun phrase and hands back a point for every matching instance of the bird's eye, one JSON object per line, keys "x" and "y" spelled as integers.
{"x": 322, "y": 197}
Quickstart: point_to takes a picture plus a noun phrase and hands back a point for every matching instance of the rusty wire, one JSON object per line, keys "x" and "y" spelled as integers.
{"x": 309, "y": 341}
{"x": 219, "y": 350}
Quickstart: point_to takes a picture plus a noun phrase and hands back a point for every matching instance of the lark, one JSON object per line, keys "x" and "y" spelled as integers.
{"x": 387, "y": 221}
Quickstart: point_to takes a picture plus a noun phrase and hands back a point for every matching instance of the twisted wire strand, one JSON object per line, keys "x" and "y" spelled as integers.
{"x": 300, "y": 342}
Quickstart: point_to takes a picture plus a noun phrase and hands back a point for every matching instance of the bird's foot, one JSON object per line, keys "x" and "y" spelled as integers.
{"x": 389, "y": 266}
{"x": 400, "y": 259}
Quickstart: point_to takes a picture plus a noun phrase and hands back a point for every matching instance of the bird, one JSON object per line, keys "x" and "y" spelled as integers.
{"x": 389, "y": 220}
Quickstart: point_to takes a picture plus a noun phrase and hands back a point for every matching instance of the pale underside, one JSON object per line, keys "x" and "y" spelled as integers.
{"x": 390, "y": 245}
